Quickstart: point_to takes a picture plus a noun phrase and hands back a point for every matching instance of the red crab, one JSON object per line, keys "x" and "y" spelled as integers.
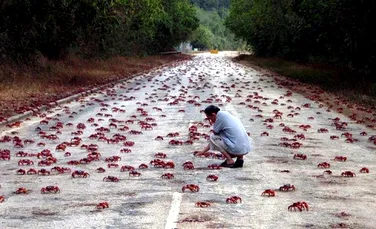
{"x": 191, "y": 187}
{"x": 44, "y": 172}
{"x": 126, "y": 168}
{"x": 25, "y": 162}
{"x": 134, "y": 173}
{"x": 31, "y": 171}
{"x": 264, "y": 134}
{"x": 202, "y": 204}
{"x": 167, "y": 176}
{"x": 324, "y": 165}
{"x": 50, "y": 189}
{"x": 287, "y": 187}
{"x": 100, "y": 170}
{"x": 22, "y": 190}
{"x": 340, "y": 158}
{"x": 214, "y": 166}
{"x": 102, "y": 205}
{"x": 80, "y": 173}
{"x": 159, "y": 138}
{"x": 348, "y": 174}
{"x": 328, "y": 172}
{"x": 2, "y": 199}
{"x": 129, "y": 143}
{"x": 300, "y": 156}
{"x": 169, "y": 165}
{"x": 188, "y": 167}
{"x": 111, "y": 179}
{"x": 112, "y": 165}
{"x": 298, "y": 206}
{"x": 21, "y": 154}
{"x": 233, "y": 200}
{"x": 268, "y": 192}
{"x": 125, "y": 150}
{"x": 322, "y": 130}
{"x": 143, "y": 166}
{"x": 160, "y": 155}
{"x": 20, "y": 172}
{"x": 212, "y": 178}
{"x": 364, "y": 170}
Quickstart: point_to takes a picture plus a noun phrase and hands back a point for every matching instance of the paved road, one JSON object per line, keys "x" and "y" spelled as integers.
{"x": 170, "y": 101}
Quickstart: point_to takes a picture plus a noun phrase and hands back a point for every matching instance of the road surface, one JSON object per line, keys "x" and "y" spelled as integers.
{"x": 169, "y": 100}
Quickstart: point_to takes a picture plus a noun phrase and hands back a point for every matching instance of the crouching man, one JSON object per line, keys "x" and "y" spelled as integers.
{"x": 229, "y": 137}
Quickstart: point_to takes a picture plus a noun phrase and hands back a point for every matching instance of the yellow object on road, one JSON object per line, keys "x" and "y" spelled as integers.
{"x": 214, "y": 51}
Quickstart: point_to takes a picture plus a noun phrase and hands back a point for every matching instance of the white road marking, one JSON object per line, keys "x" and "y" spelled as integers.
{"x": 173, "y": 215}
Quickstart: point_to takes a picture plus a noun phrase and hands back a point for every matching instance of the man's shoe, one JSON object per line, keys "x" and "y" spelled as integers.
{"x": 224, "y": 164}
{"x": 238, "y": 164}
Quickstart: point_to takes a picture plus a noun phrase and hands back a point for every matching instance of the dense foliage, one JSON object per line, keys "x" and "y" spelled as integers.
{"x": 210, "y": 5}
{"x": 332, "y": 31}
{"x": 212, "y": 32}
{"x": 93, "y": 27}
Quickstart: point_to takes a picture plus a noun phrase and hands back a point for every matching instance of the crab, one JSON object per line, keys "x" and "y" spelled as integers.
{"x": 134, "y": 173}
{"x": 100, "y": 170}
{"x": 364, "y": 170}
{"x": 287, "y": 187}
{"x": 328, "y": 172}
{"x": 322, "y": 130}
{"x": 202, "y": 204}
{"x": 21, "y": 172}
{"x": 80, "y": 173}
{"x": 212, "y": 177}
{"x": 102, "y": 205}
{"x": 129, "y": 143}
{"x": 160, "y": 155}
{"x": 188, "y": 167}
{"x": 31, "y": 172}
{"x": 143, "y": 166}
{"x": 22, "y": 190}
{"x": 348, "y": 174}
{"x": 169, "y": 165}
{"x": 21, "y": 154}
{"x": 191, "y": 187}
{"x": 214, "y": 166}
{"x": 25, "y": 162}
{"x": 112, "y": 165}
{"x": 233, "y": 200}
{"x": 300, "y": 156}
{"x": 126, "y": 168}
{"x": 168, "y": 176}
{"x": 268, "y": 192}
{"x": 323, "y": 165}
{"x": 333, "y": 137}
{"x": 111, "y": 179}
{"x": 159, "y": 138}
{"x": 2, "y": 199}
{"x": 50, "y": 189}
{"x": 125, "y": 150}
{"x": 298, "y": 206}
{"x": 340, "y": 158}
{"x": 43, "y": 172}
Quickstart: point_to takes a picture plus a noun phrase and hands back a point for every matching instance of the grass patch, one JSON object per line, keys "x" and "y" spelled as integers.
{"x": 26, "y": 87}
{"x": 362, "y": 88}
{"x": 340, "y": 89}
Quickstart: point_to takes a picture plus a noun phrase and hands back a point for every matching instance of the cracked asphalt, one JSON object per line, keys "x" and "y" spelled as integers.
{"x": 280, "y": 123}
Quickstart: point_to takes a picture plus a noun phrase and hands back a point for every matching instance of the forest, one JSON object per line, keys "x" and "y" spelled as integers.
{"x": 92, "y": 28}
{"x": 336, "y": 32}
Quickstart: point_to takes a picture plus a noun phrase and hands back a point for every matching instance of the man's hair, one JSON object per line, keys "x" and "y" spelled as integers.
{"x": 211, "y": 109}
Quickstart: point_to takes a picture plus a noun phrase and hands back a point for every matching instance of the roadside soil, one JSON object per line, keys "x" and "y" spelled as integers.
{"x": 342, "y": 102}
{"x": 24, "y": 88}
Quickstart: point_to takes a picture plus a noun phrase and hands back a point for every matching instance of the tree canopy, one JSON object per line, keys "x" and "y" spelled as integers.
{"x": 93, "y": 27}
{"x": 331, "y": 31}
